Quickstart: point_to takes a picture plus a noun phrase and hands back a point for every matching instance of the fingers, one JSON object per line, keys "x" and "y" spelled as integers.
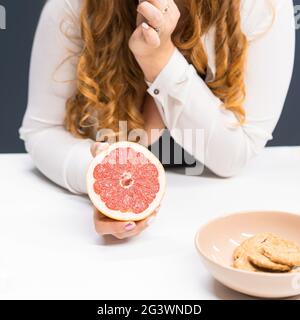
{"x": 151, "y": 13}
{"x": 139, "y": 19}
{"x": 121, "y": 229}
{"x": 156, "y": 22}
{"x": 98, "y": 147}
{"x": 151, "y": 36}
{"x": 140, "y": 227}
{"x": 159, "y": 4}
{"x": 105, "y": 225}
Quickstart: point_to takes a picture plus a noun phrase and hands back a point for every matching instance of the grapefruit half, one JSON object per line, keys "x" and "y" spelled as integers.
{"x": 126, "y": 182}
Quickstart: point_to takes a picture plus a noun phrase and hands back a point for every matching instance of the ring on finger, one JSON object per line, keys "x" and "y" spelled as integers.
{"x": 166, "y": 9}
{"x": 157, "y": 29}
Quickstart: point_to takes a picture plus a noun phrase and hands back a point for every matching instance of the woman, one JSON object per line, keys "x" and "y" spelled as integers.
{"x": 219, "y": 67}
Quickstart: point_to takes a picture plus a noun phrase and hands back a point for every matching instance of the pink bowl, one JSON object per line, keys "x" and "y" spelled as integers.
{"x": 217, "y": 240}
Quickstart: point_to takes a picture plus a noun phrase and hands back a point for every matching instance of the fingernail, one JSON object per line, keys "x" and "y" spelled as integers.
{"x": 150, "y": 220}
{"x": 145, "y": 25}
{"x": 129, "y": 226}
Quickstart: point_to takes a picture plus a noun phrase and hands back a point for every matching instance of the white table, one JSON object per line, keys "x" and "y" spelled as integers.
{"x": 49, "y": 250}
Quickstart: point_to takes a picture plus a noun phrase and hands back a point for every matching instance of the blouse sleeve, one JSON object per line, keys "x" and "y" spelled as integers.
{"x": 56, "y": 153}
{"x": 188, "y": 105}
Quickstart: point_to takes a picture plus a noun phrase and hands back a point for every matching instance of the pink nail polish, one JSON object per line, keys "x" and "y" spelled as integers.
{"x": 129, "y": 226}
{"x": 145, "y": 25}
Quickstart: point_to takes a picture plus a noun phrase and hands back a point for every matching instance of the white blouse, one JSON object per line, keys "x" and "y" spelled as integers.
{"x": 184, "y": 100}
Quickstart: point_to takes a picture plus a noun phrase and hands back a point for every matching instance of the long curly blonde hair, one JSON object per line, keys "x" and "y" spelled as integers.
{"x": 109, "y": 80}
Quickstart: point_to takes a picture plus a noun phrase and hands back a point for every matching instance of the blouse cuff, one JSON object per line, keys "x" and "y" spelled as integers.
{"x": 173, "y": 73}
{"x": 178, "y": 89}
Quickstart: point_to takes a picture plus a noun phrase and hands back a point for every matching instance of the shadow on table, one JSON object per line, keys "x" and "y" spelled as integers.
{"x": 224, "y": 293}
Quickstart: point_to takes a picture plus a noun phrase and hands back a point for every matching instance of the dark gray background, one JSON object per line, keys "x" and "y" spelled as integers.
{"x": 15, "y": 47}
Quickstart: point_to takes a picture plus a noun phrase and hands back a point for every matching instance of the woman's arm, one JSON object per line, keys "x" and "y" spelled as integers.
{"x": 56, "y": 153}
{"x": 187, "y": 102}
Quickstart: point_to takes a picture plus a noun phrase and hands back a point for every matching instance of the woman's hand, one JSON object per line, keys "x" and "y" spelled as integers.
{"x": 151, "y": 42}
{"x": 118, "y": 229}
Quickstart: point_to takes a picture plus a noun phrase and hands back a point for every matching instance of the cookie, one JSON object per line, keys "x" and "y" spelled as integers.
{"x": 256, "y": 242}
{"x": 284, "y": 255}
{"x": 238, "y": 252}
{"x": 242, "y": 262}
{"x": 261, "y": 261}
{"x": 250, "y": 254}
{"x": 278, "y": 241}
